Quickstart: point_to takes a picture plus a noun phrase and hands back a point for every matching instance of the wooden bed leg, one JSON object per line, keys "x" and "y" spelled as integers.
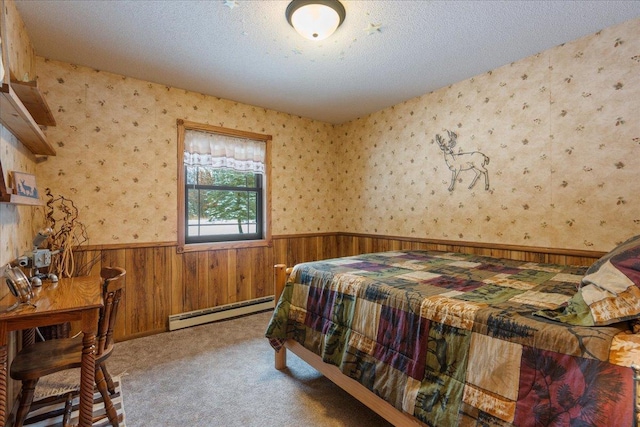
{"x": 279, "y": 281}
{"x": 281, "y": 359}
{"x": 636, "y": 372}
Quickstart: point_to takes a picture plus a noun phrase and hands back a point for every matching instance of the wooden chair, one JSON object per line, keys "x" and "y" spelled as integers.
{"x": 48, "y": 357}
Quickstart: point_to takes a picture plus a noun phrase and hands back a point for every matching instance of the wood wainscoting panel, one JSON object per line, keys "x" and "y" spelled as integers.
{"x": 161, "y": 287}
{"x": 255, "y": 285}
{"x": 191, "y": 290}
{"x": 139, "y": 293}
{"x": 296, "y": 249}
{"x": 177, "y": 282}
{"x": 280, "y": 250}
{"x": 330, "y": 246}
{"x": 350, "y": 245}
{"x": 218, "y": 278}
{"x": 202, "y": 290}
{"x": 232, "y": 276}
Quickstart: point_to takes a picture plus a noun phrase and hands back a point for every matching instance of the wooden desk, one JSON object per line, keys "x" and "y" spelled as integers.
{"x": 78, "y": 298}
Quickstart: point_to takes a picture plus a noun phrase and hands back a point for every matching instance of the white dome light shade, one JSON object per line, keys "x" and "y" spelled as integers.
{"x": 315, "y": 20}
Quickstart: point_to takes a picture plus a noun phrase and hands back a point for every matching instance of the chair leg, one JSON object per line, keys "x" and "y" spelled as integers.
{"x": 26, "y": 397}
{"x": 101, "y": 384}
{"x": 68, "y": 410}
{"x": 110, "y": 385}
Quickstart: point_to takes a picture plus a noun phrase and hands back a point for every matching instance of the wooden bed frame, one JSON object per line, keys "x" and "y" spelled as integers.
{"x": 354, "y": 388}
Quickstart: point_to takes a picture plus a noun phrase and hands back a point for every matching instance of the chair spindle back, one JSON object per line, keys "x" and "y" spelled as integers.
{"x": 111, "y": 293}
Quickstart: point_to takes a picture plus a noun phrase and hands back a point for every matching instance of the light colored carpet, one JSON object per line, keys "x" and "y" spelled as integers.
{"x": 222, "y": 374}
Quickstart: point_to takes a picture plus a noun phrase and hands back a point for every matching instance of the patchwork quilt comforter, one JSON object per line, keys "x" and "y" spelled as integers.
{"x": 454, "y": 339}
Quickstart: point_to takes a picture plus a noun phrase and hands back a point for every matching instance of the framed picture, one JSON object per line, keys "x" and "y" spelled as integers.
{"x": 24, "y": 184}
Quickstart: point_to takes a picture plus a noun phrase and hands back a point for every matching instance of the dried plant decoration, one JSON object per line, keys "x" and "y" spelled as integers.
{"x": 61, "y": 214}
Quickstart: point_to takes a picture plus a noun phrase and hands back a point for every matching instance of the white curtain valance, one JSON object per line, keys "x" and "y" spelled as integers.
{"x": 222, "y": 151}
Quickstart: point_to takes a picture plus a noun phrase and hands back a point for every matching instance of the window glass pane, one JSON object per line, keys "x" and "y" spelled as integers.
{"x": 222, "y": 212}
{"x": 233, "y": 178}
{"x": 204, "y": 175}
{"x": 191, "y": 175}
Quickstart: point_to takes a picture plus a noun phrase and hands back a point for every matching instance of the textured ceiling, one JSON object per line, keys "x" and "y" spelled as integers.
{"x": 384, "y": 53}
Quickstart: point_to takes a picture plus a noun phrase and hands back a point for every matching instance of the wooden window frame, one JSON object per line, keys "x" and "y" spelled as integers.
{"x": 184, "y": 125}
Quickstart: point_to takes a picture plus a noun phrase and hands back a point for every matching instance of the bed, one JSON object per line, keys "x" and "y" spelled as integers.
{"x": 450, "y": 339}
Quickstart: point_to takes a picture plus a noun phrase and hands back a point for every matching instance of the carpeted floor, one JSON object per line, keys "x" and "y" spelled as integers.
{"x": 222, "y": 374}
{"x": 219, "y": 374}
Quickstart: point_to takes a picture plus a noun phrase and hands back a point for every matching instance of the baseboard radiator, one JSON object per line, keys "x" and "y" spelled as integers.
{"x": 207, "y": 315}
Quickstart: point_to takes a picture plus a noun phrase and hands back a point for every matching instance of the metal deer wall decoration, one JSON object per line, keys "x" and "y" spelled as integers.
{"x": 458, "y": 162}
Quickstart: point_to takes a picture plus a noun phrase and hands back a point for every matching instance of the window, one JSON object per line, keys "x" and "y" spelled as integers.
{"x": 223, "y": 181}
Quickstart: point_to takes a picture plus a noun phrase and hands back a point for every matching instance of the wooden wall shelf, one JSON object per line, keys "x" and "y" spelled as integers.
{"x": 34, "y": 101}
{"x": 17, "y": 118}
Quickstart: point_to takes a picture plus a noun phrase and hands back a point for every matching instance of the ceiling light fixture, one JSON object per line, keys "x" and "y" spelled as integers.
{"x": 315, "y": 19}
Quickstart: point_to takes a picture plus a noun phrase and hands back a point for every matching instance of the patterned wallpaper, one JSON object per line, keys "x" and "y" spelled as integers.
{"x": 561, "y": 133}
{"x": 117, "y": 154}
{"x": 559, "y": 129}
